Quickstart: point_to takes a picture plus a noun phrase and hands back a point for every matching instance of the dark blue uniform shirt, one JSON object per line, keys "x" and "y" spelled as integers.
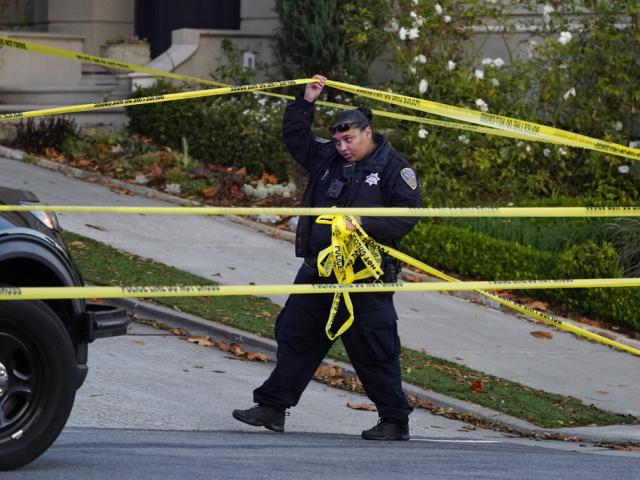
{"x": 383, "y": 179}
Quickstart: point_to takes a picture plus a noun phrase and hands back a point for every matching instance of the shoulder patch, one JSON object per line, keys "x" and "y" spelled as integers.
{"x": 322, "y": 140}
{"x": 409, "y": 176}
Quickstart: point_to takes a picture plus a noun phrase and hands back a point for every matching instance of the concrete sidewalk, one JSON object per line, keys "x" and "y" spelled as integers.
{"x": 442, "y": 325}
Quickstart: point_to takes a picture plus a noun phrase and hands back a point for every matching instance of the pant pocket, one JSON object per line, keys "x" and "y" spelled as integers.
{"x": 383, "y": 341}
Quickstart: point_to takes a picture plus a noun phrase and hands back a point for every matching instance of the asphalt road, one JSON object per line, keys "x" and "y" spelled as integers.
{"x": 92, "y": 454}
{"x": 155, "y": 406}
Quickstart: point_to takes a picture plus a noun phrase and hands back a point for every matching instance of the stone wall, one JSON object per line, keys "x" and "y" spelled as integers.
{"x": 96, "y": 20}
{"x": 21, "y": 69}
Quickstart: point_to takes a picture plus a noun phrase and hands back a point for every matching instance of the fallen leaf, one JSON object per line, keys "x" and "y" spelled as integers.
{"x": 477, "y": 386}
{"x": 53, "y": 154}
{"x": 236, "y": 350}
{"x": 224, "y": 346}
{"x": 203, "y": 341}
{"x": 77, "y": 244}
{"x": 369, "y": 407}
{"x": 411, "y": 277}
{"x": 155, "y": 173}
{"x": 538, "y": 306}
{"x": 181, "y": 332}
{"x": 541, "y": 334}
{"x": 626, "y": 448}
{"x": 268, "y": 178}
{"x": 81, "y": 163}
{"x": 96, "y": 227}
{"x": 257, "y": 357}
{"x": 137, "y": 342}
{"x": 328, "y": 371}
{"x": 209, "y": 192}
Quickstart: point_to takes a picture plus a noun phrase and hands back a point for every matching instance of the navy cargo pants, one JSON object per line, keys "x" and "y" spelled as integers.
{"x": 372, "y": 344}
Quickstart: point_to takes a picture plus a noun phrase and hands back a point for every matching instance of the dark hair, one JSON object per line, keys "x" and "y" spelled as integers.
{"x": 366, "y": 111}
{"x": 360, "y": 118}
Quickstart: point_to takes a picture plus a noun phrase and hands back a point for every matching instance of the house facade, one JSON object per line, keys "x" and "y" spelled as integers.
{"x": 183, "y": 36}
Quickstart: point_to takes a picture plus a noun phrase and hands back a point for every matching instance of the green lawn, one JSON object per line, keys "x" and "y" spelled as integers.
{"x": 103, "y": 265}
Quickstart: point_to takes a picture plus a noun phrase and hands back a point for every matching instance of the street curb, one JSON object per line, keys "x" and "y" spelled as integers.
{"x": 249, "y": 341}
{"x": 199, "y": 326}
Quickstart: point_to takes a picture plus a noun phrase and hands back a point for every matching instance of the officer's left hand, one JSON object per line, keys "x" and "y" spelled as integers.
{"x": 350, "y": 226}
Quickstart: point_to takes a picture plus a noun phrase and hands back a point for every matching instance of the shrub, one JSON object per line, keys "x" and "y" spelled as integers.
{"x": 239, "y": 130}
{"x": 583, "y": 81}
{"x": 620, "y": 306}
{"x": 51, "y": 132}
{"x": 479, "y": 256}
{"x": 335, "y": 38}
{"x": 475, "y": 255}
{"x": 624, "y": 235}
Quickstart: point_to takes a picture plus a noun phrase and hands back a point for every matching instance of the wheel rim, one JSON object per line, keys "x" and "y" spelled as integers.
{"x": 20, "y": 372}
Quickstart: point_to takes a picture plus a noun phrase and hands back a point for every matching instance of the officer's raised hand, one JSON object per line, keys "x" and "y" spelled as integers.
{"x": 313, "y": 90}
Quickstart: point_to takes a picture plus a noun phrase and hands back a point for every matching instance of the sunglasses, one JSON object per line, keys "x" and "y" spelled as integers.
{"x": 343, "y": 127}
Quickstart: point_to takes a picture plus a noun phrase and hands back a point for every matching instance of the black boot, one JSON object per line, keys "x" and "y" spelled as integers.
{"x": 387, "y": 429}
{"x": 262, "y": 416}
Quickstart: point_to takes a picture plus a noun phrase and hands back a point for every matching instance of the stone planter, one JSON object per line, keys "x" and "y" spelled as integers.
{"x": 135, "y": 53}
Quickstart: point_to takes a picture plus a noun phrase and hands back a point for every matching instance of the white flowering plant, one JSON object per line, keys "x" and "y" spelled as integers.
{"x": 580, "y": 77}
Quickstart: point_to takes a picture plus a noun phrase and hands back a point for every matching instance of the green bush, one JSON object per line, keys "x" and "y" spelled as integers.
{"x": 335, "y": 38}
{"x": 477, "y": 255}
{"x": 53, "y": 132}
{"x": 577, "y": 70}
{"x": 234, "y": 130}
{"x": 620, "y": 306}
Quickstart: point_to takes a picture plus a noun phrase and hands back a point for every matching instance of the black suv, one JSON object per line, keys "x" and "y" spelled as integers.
{"x": 43, "y": 344}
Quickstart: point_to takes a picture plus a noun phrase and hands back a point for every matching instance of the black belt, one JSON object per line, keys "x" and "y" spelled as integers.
{"x": 310, "y": 265}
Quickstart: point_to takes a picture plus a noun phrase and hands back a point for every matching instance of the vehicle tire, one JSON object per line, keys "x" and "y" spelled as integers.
{"x": 37, "y": 379}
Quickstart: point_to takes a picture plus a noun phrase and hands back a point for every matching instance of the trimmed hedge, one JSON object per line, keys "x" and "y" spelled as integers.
{"x": 236, "y": 130}
{"x": 477, "y": 255}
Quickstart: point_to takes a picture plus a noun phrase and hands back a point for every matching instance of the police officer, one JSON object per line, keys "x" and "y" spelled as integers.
{"x": 357, "y": 169}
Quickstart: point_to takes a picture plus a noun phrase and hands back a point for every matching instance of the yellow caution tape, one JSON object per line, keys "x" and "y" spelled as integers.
{"x": 501, "y": 212}
{"x": 56, "y": 293}
{"x": 110, "y": 63}
{"x": 493, "y": 124}
{"x": 340, "y": 258}
{"x": 492, "y": 120}
{"x": 168, "y": 97}
{"x": 51, "y": 293}
{"x": 105, "y": 62}
{"x": 347, "y": 246}
{"x": 551, "y": 320}
{"x": 455, "y": 125}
